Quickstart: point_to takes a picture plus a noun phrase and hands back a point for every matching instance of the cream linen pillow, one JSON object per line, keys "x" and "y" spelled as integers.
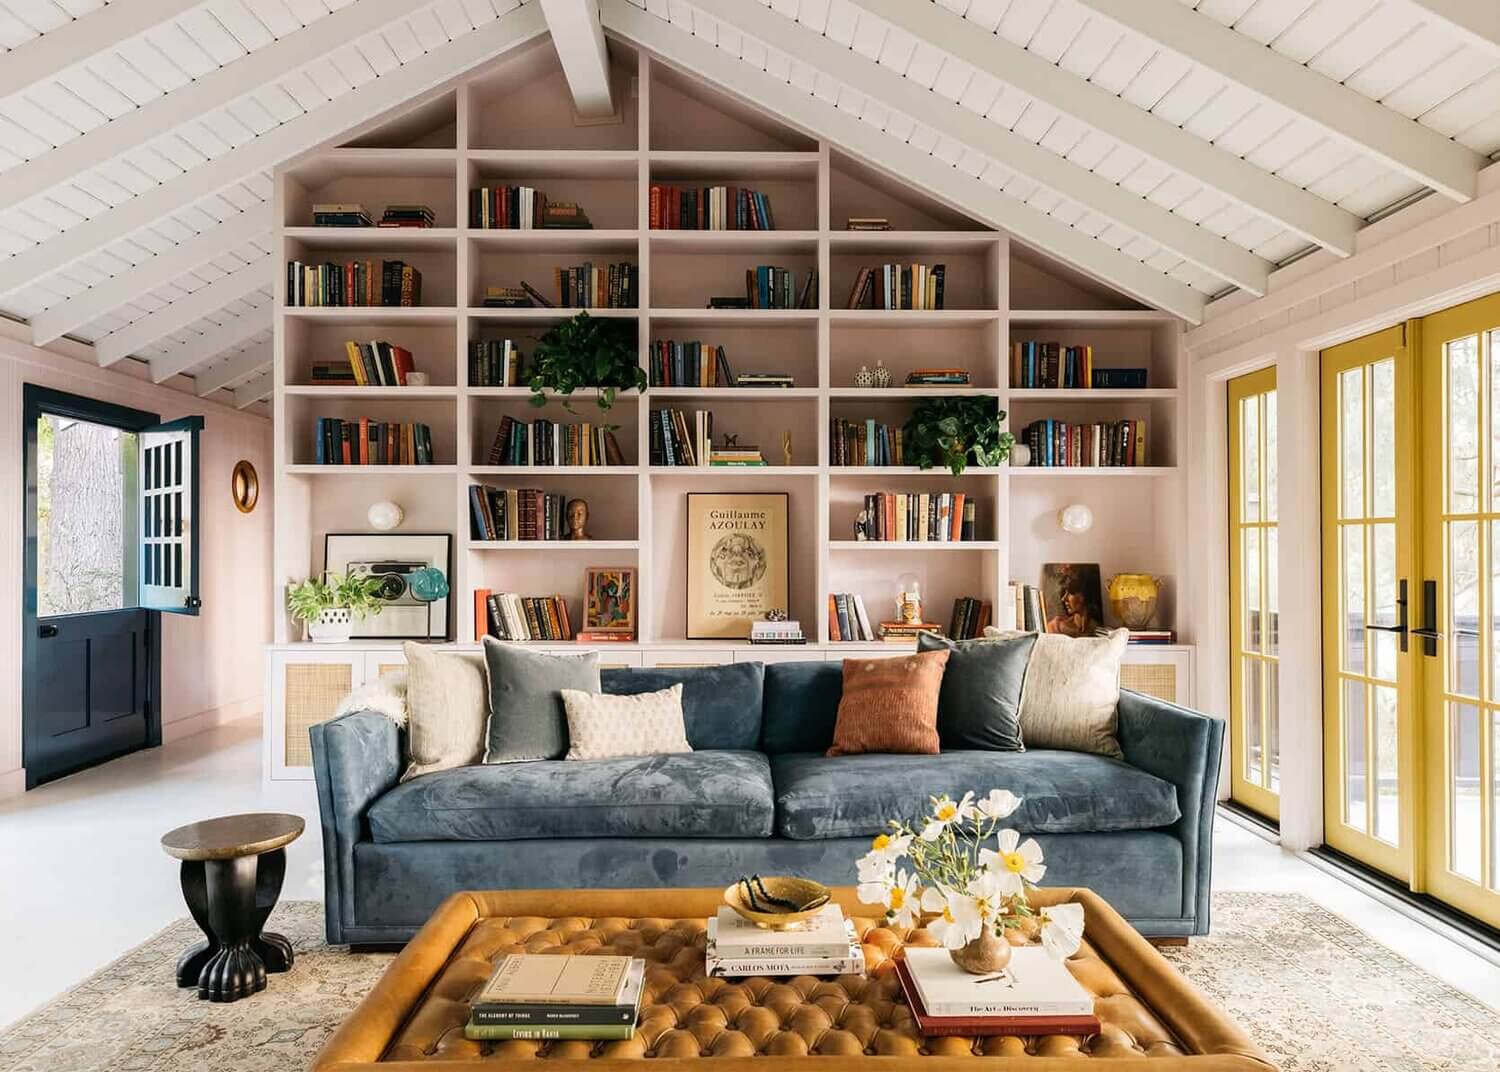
{"x": 1072, "y": 691}
{"x": 448, "y": 702}
{"x": 602, "y": 726}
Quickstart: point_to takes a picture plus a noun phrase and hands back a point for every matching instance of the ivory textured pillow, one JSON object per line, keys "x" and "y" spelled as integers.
{"x": 890, "y": 705}
{"x": 605, "y": 725}
{"x": 448, "y": 706}
{"x": 1072, "y": 691}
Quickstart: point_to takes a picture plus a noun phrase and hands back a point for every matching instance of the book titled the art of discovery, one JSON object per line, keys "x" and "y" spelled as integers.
{"x": 1035, "y": 984}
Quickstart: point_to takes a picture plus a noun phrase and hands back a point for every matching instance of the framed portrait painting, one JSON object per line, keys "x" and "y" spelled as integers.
{"x": 1072, "y": 599}
{"x": 736, "y": 561}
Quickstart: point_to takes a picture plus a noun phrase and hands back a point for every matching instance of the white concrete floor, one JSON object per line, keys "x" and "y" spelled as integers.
{"x": 84, "y": 879}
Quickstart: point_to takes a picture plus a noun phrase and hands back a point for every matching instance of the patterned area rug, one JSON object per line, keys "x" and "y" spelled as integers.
{"x": 1314, "y": 991}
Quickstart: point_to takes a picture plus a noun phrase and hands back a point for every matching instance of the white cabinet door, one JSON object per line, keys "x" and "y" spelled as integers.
{"x": 383, "y": 662}
{"x": 1165, "y": 672}
{"x": 685, "y": 657}
{"x": 304, "y": 688}
{"x": 770, "y": 653}
{"x": 614, "y": 659}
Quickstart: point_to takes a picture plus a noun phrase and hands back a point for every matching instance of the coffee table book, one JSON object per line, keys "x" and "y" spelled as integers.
{"x": 824, "y": 935}
{"x": 527, "y": 979}
{"x": 969, "y": 1026}
{"x": 1034, "y": 984}
{"x": 849, "y": 961}
{"x": 540, "y": 1021}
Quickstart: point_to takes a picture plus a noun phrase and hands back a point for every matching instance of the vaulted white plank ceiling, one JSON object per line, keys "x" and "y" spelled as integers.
{"x": 1174, "y": 148}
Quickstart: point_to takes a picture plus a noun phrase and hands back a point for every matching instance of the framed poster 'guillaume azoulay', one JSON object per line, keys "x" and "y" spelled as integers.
{"x": 736, "y": 562}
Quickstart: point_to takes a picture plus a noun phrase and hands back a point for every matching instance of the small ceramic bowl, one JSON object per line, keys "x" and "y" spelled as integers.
{"x": 801, "y": 891}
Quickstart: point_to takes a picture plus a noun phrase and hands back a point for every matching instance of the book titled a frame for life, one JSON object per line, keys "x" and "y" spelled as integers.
{"x": 737, "y": 563}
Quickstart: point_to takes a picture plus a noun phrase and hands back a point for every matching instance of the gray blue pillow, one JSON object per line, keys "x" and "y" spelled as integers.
{"x": 527, "y": 717}
{"x": 979, "y": 705}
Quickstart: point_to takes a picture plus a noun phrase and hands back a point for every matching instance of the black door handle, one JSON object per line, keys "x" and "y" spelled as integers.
{"x": 1400, "y": 628}
{"x": 46, "y": 631}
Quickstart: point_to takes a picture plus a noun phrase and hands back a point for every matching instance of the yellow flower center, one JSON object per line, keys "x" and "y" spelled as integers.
{"x": 898, "y": 897}
{"x": 880, "y": 842}
{"x": 946, "y": 812}
{"x": 947, "y": 914}
{"x": 1014, "y": 862}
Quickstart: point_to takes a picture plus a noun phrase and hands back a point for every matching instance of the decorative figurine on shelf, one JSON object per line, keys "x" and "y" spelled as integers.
{"x": 908, "y": 599}
{"x": 864, "y": 377}
{"x": 775, "y": 614}
{"x": 862, "y": 526}
{"x": 786, "y": 447}
{"x": 880, "y": 376}
{"x": 578, "y": 519}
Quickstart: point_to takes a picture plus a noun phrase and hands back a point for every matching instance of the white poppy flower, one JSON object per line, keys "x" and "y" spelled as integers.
{"x": 1016, "y": 861}
{"x": 958, "y": 919}
{"x": 998, "y": 805}
{"x": 903, "y": 899}
{"x": 1062, "y": 929}
{"x": 946, "y": 812}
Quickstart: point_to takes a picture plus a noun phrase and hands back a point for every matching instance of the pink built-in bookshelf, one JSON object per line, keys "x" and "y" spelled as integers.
{"x": 514, "y": 123}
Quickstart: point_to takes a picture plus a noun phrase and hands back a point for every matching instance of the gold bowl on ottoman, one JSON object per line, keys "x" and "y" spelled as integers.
{"x": 812, "y": 896}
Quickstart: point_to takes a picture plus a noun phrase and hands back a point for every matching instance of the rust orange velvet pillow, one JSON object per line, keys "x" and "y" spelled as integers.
{"x": 890, "y": 705}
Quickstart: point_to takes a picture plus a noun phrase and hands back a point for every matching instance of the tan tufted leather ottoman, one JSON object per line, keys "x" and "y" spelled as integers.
{"x": 414, "y": 1017}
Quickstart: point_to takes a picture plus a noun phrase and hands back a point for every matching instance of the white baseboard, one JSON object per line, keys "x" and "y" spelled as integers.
{"x": 13, "y": 783}
{"x": 189, "y": 725}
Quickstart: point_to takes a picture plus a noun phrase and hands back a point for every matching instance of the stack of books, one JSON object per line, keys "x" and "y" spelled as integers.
{"x": 544, "y": 442}
{"x": 333, "y": 214}
{"x": 1148, "y": 636}
{"x": 735, "y": 455}
{"x": 786, "y": 631}
{"x": 867, "y": 223}
{"x": 765, "y": 379}
{"x": 770, "y": 287}
{"x": 353, "y": 283}
{"x": 514, "y": 617}
{"x": 864, "y": 442}
{"x": 508, "y": 208}
{"x": 1104, "y": 443}
{"x": 970, "y": 616}
{"x": 937, "y": 377}
{"x": 825, "y": 945}
{"x": 565, "y": 216}
{"x": 536, "y": 996}
{"x": 591, "y": 286}
{"x": 1034, "y": 995}
{"x": 847, "y": 618}
{"x": 407, "y": 216}
{"x": 709, "y": 208}
{"x": 898, "y": 286}
{"x": 495, "y": 363}
{"x": 333, "y": 374}
{"x": 942, "y": 517}
{"x": 506, "y": 298}
{"x": 378, "y": 363}
{"x": 1127, "y": 379}
{"x": 371, "y": 442}
{"x": 906, "y": 632}
{"x": 689, "y": 364}
{"x": 517, "y": 513}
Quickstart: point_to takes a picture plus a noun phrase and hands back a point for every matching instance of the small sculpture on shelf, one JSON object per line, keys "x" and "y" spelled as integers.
{"x": 775, "y": 614}
{"x": 786, "y": 447}
{"x": 578, "y": 519}
{"x": 908, "y": 599}
{"x": 880, "y": 375}
{"x": 864, "y": 377}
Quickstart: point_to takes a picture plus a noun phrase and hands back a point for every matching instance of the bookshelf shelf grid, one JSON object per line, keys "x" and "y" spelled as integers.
{"x": 996, "y": 294}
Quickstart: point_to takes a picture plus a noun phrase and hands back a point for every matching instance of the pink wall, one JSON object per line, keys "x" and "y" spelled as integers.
{"x": 212, "y": 667}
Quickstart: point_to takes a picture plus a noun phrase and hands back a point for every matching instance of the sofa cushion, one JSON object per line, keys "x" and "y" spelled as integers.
{"x": 720, "y": 704}
{"x": 696, "y": 794}
{"x": 1061, "y": 792}
{"x": 802, "y": 706}
{"x": 980, "y": 705}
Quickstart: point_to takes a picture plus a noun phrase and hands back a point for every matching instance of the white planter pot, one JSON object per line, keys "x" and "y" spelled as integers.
{"x": 333, "y": 626}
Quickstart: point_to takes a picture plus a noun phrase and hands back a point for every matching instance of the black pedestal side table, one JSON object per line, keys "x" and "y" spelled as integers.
{"x": 232, "y": 870}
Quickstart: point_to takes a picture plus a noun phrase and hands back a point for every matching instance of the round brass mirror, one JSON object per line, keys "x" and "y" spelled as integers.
{"x": 244, "y": 485}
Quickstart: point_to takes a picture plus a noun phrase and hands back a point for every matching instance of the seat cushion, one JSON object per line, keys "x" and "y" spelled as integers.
{"x": 1061, "y": 792}
{"x": 720, "y": 704}
{"x": 697, "y": 794}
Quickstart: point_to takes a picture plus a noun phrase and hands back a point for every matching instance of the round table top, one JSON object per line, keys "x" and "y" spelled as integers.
{"x": 231, "y": 836}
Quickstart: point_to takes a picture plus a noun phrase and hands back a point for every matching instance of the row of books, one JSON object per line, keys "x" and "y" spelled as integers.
{"x": 378, "y": 363}
{"x": 688, "y": 364}
{"x": 342, "y": 214}
{"x": 709, "y": 208}
{"x": 679, "y": 438}
{"x": 495, "y": 363}
{"x": 370, "y": 442}
{"x": 847, "y": 618}
{"x": 1051, "y": 365}
{"x": 970, "y": 616}
{"x": 598, "y": 286}
{"x": 768, "y": 286}
{"x": 544, "y": 442}
{"x": 827, "y": 944}
{"x": 866, "y": 442}
{"x": 533, "y": 996}
{"x": 898, "y": 286}
{"x": 924, "y": 517}
{"x": 514, "y": 617}
{"x": 517, "y": 513}
{"x": 1103, "y": 443}
{"x": 353, "y": 283}
{"x": 522, "y": 208}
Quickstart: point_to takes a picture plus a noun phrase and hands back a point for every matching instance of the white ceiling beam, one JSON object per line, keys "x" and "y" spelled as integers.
{"x": 1354, "y": 119}
{"x": 579, "y": 40}
{"x": 215, "y": 89}
{"x": 1231, "y": 263}
{"x": 1477, "y": 21}
{"x": 235, "y": 331}
{"x": 78, "y": 41}
{"x": 88, "y": 305}
{"x": 1258, "y": 190}
{"x": 175, "y": 316}
{"x": 254, "y": 391}
{"x": 277, "y": 145}
{"x": 902, "y": 162}
{"x": 233, "y": 369}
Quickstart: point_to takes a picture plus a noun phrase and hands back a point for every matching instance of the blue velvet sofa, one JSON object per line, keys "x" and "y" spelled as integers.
{"x": 756, "y": 795}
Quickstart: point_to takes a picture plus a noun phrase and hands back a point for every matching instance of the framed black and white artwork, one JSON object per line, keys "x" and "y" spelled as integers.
{"x": 414, "y": 601}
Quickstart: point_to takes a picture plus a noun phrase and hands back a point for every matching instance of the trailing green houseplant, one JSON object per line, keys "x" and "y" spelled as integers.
{"x": 586, "y": 352}
{"x": 330, "y": 605}
{"x": 950, "y": 430}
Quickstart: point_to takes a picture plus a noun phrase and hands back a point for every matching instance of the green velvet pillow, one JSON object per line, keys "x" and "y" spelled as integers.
{"x": 527, "y": 717}
{"x": 979, "y": 706}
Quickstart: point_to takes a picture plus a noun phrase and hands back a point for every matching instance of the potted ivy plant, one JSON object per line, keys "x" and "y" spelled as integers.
{"x": 328, "y": 606}
{"x": 586, "y": 352}
{"x": 950, "y": 430}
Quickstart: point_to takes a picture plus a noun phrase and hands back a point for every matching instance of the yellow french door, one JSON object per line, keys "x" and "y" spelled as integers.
{"x": 1460, "y": 350}
{"x": 1369, "y": 660}
{"x": 1255, "y": 738}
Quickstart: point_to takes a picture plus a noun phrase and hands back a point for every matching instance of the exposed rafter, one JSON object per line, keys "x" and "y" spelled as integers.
{"x": 1415, "y": 150}
{"x": 177, "y": 315}
{"x": 233, "y": 369}
{"x": 1231, "y": 263}
{"x": 276, "y": 145}
{"x": 250, "y": 393}
{"x": 233, "y": 332}
{"x": 1169, "y": 145}
{"x": 579, "y": 40}
{"x": 853, "y": 135}
{"x": 142, "y": 278}
{"x": 1477, "y": 21}
{"x": 214, "y": 90}
{"x": 74, "y": 42}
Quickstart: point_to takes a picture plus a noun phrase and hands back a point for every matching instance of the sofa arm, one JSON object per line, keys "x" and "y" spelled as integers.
{"x": 356, "y": 759}
{"x": 1182, "y": 747}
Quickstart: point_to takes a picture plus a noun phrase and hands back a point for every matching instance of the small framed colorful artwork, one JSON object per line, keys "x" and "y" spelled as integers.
{"x": 609, "y": 601}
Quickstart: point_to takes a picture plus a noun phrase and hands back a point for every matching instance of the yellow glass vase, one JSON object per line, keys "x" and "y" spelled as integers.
{"x": 1133, "y": 597}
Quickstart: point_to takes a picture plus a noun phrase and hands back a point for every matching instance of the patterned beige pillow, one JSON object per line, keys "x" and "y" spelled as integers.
{"x": 1072, "y": 691}
{"x": 449, "y": 704}
{"x": 602, "y": 726}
